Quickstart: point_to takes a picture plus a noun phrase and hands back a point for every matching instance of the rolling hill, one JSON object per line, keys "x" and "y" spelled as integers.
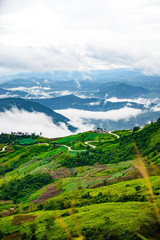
{"x": 65, "y": 188}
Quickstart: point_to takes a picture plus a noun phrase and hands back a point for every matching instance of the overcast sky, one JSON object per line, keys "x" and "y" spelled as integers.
{"x": 43, "y": 35}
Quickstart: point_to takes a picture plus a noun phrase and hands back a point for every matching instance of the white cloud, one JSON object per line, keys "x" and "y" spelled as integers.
{"x": 43, "y": 35}
{"x": 8, "y": 95}
{"x": 114, "y": 115}
{"x": 43, "y": 59}
{"x": 78, "y": 83}
{"x": 94, "y": 103}
{"x": 143, "y": 101}
{"x": 15, "y": 120}
{"x": 19, "y": 120}
{"x": 156, "y": 108}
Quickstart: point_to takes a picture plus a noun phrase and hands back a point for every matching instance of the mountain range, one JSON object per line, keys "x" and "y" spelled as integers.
{"x": 90, "y": 104}
{"x": 93, "y": 91}
{"x": 114, "y": 75}
{"x": 121, "y": 90}
{"x": 41, "y": 88}
{"x": 7, "y": 93}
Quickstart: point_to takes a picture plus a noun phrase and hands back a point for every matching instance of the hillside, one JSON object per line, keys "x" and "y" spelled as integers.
{"x": 21, "y": 104}
{"x": 85, "y": 185}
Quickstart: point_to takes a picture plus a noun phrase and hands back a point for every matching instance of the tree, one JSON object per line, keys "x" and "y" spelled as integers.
{"x": 136, "y": 128}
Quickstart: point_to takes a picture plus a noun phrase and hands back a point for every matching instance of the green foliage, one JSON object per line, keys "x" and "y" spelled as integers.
{"x": 136, "y": 128}
{"x": 19, "y": 189}
{"x": 122, "y": 149}
{"x": 10, "y": 138}
{"x": 21, "y": 156}
{"x": 122, "y": 133}
{"x": 27, "y": 141}
{"x": 98, "y": 221}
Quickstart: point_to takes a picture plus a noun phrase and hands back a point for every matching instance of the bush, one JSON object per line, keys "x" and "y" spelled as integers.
{"x": 20, "y": 189}
{"x": 136, "y": 128}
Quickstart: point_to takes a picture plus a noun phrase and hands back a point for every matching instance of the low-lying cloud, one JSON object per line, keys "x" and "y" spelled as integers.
{"x": 144, "y": 101}
{"x": 8, "y": 95}
{"x": 15, "y": 120}
{"x": 114, "y": 115}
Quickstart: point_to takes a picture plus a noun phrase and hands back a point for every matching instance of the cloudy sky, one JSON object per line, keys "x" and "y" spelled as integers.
{"x": 43, "y": 35}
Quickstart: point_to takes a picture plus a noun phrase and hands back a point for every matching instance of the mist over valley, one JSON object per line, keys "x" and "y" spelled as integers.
{"x": 109, "y": 99}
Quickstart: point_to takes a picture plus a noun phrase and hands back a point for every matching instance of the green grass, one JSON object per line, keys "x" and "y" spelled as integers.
{"x": 123, "y": 133}
{"x": 97, "y": 221}
{"x": 71, "y": 184}
{"x": 79, "y": 146}
{"x": 26, "y": 141}
{"x": 35, "y": 195}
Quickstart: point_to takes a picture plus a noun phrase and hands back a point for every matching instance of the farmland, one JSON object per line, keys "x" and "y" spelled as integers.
{"x": 48, "y": 191}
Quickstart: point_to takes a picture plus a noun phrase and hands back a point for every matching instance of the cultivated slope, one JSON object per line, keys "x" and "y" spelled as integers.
{"x": 48, "y": 191}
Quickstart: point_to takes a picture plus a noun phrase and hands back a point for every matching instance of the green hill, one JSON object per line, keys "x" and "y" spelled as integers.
{"x": 84, "y": 186}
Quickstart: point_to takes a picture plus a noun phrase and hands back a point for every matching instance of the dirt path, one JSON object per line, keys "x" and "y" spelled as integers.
{"x": 4, "y": 148}
{"x": 87, "y": 143}
{"x": 69, "y": 148}
{"x": 110, "y": 132}
{"x": 72, "y": 150}
{"x": 49, "y": 193}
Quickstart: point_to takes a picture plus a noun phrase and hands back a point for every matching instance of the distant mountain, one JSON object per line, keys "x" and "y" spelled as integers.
{"x": 8, "y": 93}
{"x": 49, "y": 84}
{"x": 40, "y": 88}
{"x": 141, "y": 120}
{"x": 120, "y": 83}
{"x": 3, "y": 91}
{"x": 96, "y": 83}
{"x": 90, "y": 104}
{"x": 121, "y": 90}
{"x": 20, "y": 82}
{"x": 21, "y": 104}
{"x": 93, "y": 75}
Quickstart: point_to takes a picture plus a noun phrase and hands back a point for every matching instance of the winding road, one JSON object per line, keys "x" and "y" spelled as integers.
{"x": 4, "y": 148}
{"x": 87, "y": 143}
{"x": 72, "y": 150}
{"x": 110, "y": 132}
{"x": 69, "y": 148}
